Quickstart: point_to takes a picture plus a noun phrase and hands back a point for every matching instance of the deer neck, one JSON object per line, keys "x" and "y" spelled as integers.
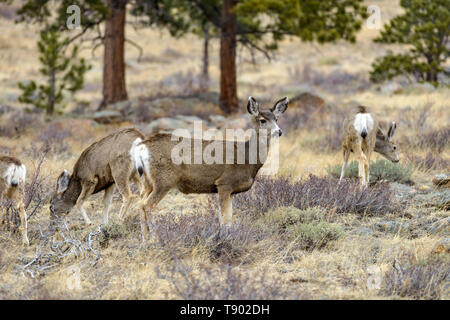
{"x": 262, "y": 143}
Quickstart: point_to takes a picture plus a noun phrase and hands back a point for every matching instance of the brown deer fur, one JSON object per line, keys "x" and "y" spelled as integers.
{"x": 12, "y": 184}
{"x": 103, "y": 165}
{"x": 362, "y": 135}
{"x": 225, "y": 179}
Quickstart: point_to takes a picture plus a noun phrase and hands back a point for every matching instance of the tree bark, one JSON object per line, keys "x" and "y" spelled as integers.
{"x": 228, "y": 87}
{"x": 204, "y": 81}
{"x": 114, "y": 85}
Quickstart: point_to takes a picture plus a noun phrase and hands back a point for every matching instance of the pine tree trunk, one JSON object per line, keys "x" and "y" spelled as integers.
{"x": 114, "y": 85}
{"x": 204, "y": 81}
{"x": 228, "y": 87}
{"x": 51, "y": 97}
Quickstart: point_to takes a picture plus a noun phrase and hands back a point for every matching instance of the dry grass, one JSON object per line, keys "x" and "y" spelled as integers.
{"x": 298, "y": 235}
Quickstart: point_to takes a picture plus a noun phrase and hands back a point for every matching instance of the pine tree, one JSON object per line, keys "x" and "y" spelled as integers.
{"x": 425, "y": 28}
{"x": 65, "y": 74}
{"x": 258, "y": 25}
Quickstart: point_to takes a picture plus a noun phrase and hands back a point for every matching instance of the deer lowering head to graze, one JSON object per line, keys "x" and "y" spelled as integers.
{"x": 362, "y": 135}
{"x": 12, "y": 185}
{"x": 102, "y": 166}
{"x": 225, "y": 176}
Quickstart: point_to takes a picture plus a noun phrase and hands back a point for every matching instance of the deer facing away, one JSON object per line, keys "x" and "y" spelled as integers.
{"x": 153, "y": 156}
{"x": 104, "y": 165}
{"x": 12, "y": 184}
{"x": 362, "y": 135}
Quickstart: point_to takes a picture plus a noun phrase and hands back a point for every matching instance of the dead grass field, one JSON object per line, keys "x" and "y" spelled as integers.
{"x": 312, "y": 247}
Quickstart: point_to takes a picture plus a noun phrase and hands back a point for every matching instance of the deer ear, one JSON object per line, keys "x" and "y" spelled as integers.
{"x": 280, "y": 106}
{"x": 62, "y": 182}
{"x": 253, "y": 106}
{"x": 391, "y": 131}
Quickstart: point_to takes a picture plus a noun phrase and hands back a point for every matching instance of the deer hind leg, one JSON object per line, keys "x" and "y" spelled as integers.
{"x": 87, "y": 188}
{"x": 346, "y": 154}
{"x": 149, "y": 203}
{"x": 226, "y": 206}
{"x": 17, "y": 199}
{"x": 361, "y": 163}
{"x": 107, "y": 199}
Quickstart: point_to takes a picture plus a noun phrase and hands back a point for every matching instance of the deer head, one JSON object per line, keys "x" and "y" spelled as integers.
{"x": 61, "y": 202}
{"x": 267, "y": 119}
{"x": 384, "y": 144}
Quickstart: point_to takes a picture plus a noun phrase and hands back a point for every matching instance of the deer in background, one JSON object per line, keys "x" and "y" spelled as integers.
{"x": 153, "y": 156}
{"x": 104, "y": 165}
{"x": 362, "y": 135}
{"x": 12, "y": 185}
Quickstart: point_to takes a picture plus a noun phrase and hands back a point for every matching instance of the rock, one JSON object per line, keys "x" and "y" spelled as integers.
{"x": 189, "y": 119}
{"x": 217, "y": 120}
{"x": 306, "y": 100}
{"x": 442, "y": 180}
{"x": 443, "y": 246}
{"x": 393, "y": 226}
{"x": 390, "y": 88}
{"x": 242, "y": 122}
{"x": 422, "y": 87}
{"x": 168, "y": 125}
{"x": 107, "y": 116}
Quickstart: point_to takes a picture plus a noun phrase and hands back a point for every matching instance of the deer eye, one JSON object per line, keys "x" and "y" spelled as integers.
{"x": 262, "y": 121}
{"x": 395, "y": 148}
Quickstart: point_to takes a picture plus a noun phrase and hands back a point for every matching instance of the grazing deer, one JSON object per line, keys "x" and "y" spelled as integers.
{"x": 12, "y": 184}
{"x": 230, "y": 176}
{"x": 103, "y": 165}
{"x": 362, "y": 135}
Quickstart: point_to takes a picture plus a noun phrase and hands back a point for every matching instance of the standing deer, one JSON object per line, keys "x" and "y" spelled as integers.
{"x": 362, "y": 135}
{"x": 154, "y": 157}
{"x": 103, "y": 165}
{"x": 12, "y": 184}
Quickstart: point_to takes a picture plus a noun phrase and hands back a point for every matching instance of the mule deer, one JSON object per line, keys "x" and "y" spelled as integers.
{"x": 102, "y": 166}
{"x": 362, "y": 135}
{"x": 12, "y": 184}
{"x": 154, "y": 157}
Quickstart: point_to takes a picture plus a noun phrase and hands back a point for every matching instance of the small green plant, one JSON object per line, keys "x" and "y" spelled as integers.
{"x": 283, "y": 217}
{"x": 379, "y": 170}
{"x": 64, "y": 73}
{"x": 314, "y": 235}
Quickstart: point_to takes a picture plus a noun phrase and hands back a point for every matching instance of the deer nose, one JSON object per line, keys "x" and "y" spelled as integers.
{"x": 280, "y": 132}
{"x": 14, "y": 183}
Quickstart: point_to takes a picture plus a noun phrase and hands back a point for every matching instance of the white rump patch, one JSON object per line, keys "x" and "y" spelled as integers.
{"x": 363, "y": 121}
{"x": 140, "y": 155}
{"x": 15, "y": 174}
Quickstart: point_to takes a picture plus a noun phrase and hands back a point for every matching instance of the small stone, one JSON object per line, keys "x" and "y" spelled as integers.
{"x": 442, "y": 180}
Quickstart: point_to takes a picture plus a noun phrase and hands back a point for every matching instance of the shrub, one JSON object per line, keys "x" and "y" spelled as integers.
{"x": 179, "y": 235}
{"x": 112, "y": 231}
{"x": 314, "y": 235}
{"x": 282, "y": 217}
{"x": 347, "y": 197}
{"x": 426, "y": 279}
{"x": 379, "y": 170}
{"x": 431, "y": 161}
{"x": 226, "y": 283}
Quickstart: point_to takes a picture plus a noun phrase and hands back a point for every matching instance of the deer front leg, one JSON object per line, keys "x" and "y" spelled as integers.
{"x": 87, "y": 188}
{"x": 346, "y": 153}
{"x": 226, "y": 206}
